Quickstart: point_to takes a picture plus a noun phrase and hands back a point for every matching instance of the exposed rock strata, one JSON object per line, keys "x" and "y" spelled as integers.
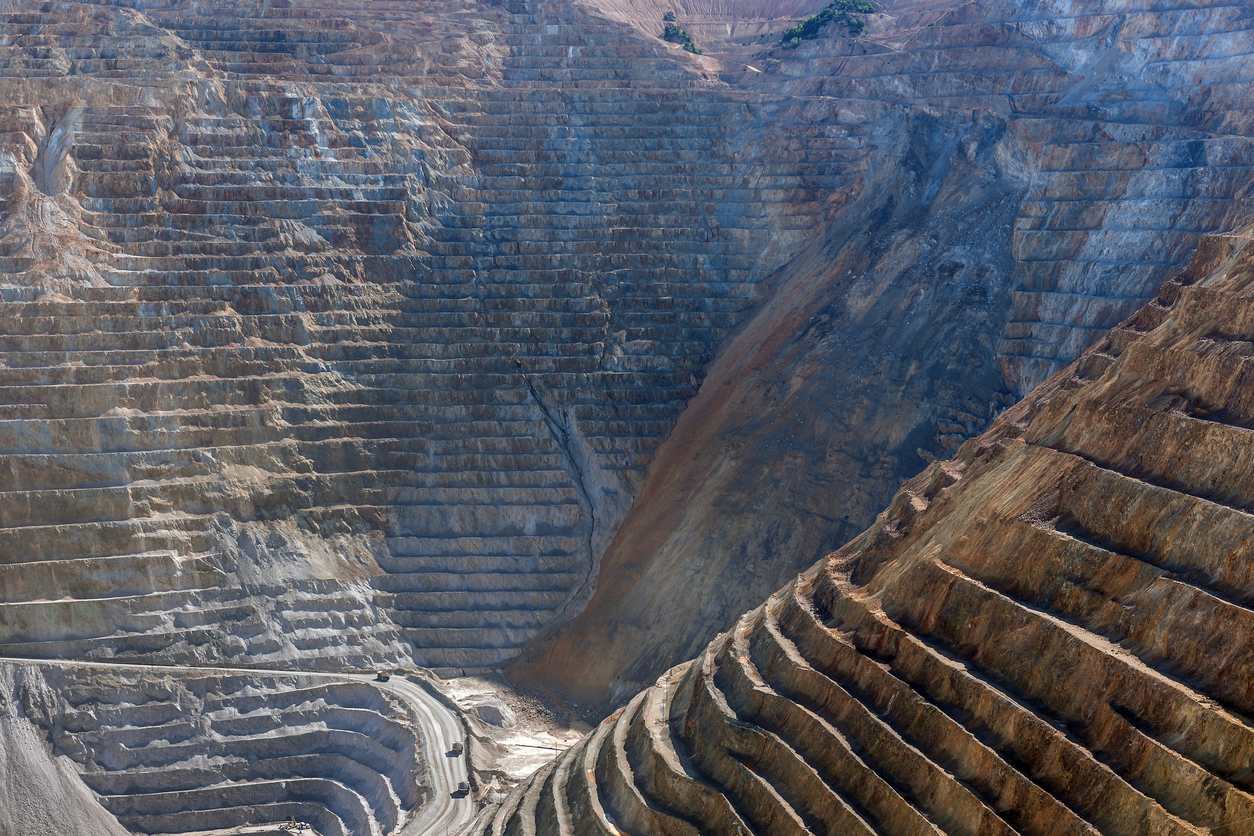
{"x": 1046, "y": 634}
{"x": 712, "y": 21}
{"x": 42, "y": 790}
{"x": 385, "y": 301}
{"x": 163, "y": 752}
{"x": 416, "y": 294}
{"x": 787, "y": 449}
{"x": 339, "y": 333}
{"x": 1118, "y": 132}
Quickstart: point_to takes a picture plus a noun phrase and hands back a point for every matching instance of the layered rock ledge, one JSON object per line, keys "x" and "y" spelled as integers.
{"x": 338, "y": 334}
{"x": 342, "y": 333}
{"x": 1034, "y": 172}
{"x": 1047, "y": 634}
{"x": 171, "y": 751}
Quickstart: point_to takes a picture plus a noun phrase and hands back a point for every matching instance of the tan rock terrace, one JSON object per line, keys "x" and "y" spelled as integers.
{"x": 457, "y": 308}
{"x": 339, "y": 335}
{"x": 1048, "y": 634}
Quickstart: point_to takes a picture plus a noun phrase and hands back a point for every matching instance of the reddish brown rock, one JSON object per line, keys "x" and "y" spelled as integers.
{"x": 1049, "y": 633}
{"x": 344, "y": 333}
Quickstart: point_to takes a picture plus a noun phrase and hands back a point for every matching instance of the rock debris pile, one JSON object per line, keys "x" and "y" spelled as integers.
{"x": 349, "y": 335}
{"x": 1047, "y": 634}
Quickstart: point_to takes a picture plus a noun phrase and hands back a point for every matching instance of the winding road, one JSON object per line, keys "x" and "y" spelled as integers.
{"x": 443, "y": 814}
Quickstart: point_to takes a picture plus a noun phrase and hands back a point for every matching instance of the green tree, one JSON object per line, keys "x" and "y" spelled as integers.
{"x": 677, "y": 35}
{"x": 846, "y": 13}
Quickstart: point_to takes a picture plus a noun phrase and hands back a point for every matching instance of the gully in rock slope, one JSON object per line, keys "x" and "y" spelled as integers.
{"x": 1048, "y": 633}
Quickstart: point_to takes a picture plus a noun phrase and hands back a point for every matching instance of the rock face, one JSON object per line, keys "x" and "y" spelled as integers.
{"x": 1031, "y": 173}
{"x": 1046, "y": 634}
{"x": 342, "y": 334}
{"x": 166, "y": 752}
{"x": 338, "y": 335}
{"x": 712, "y": 22}
{"x": 346, "y": 333}
{"x": 43, "y": 790}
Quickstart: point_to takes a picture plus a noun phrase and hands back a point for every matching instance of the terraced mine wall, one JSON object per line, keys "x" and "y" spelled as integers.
{"x": 308, "y": 360}
{"x": 348, "y": 333}
{"x": 1046, "y": 634}
{"x": 114, "y": 749}
{"x": 1035, "y": 172}
{"x": 338, "y": 334}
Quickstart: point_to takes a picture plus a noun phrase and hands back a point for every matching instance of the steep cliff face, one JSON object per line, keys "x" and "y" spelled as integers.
{"x": 816, "y": 409}
{"x": 1047, "y": 634}
{"x": 341, "y": 334}
{"x": 1034, "y": 172}
{"x": 351, "y": 333}
{"x": 369, "y": 310}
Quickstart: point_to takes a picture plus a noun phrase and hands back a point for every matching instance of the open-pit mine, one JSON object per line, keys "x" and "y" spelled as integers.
{"x": 627, "y": 417}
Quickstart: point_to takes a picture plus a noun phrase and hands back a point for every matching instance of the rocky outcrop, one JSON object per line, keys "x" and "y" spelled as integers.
{"x": 384, "y": 312}
{"x": 1031, "y": 173}
{"x": 1046, "y": 634}
{"x": 337, "y": 334}
{"x": 381, "y": 311}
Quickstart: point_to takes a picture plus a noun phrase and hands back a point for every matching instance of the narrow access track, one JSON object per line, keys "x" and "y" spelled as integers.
{"x": 443, "y": 814}
{"x": 447, "y": 810}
